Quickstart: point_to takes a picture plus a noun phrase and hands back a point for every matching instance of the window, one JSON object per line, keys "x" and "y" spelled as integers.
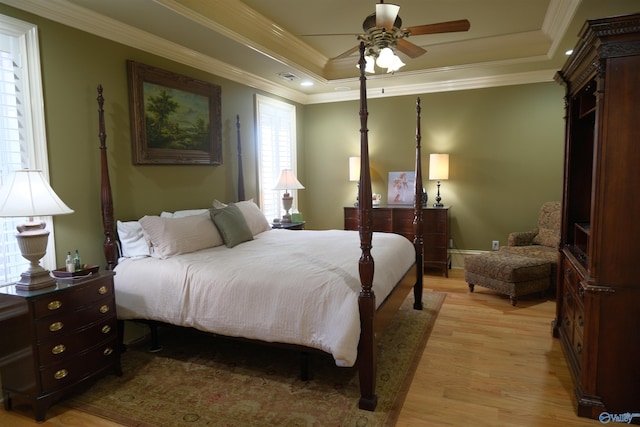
{"x": 276, "y": 136}
{"x": 22, "y": 133}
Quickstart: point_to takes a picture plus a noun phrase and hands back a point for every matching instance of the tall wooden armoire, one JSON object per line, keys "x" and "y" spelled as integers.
{"x": 598, "y": 292}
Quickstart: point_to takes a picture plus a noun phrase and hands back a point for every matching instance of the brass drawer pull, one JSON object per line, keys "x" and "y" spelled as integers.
{"x": 104, "y": 309}
{"x": 61, "y": 374}
{"x": 54, "y": 305}
{"x": 56, "y": 326}
{"x": 102, "y": 290}
{"x": 107, "y": 351}
{"x": 60, "y": 348}
{"x": 106, "y": 329}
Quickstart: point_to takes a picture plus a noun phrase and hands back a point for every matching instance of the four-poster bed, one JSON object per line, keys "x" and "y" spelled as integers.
{"x": 329, "y": 304}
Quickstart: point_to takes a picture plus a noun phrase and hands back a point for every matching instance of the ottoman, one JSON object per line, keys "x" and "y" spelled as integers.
{"x": 510, "y": 274}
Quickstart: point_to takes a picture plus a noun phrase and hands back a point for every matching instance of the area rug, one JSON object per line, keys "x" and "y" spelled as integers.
{"x": 200, "y": 380}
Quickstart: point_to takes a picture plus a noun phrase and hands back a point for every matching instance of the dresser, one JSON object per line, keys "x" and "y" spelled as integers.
{"x": 54, "y": 341}
{"x": 598, "y": 293}
{"x": 435, "y": 231}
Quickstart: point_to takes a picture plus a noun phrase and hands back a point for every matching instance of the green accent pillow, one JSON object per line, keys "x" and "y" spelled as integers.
{"x": 231, "y": 225}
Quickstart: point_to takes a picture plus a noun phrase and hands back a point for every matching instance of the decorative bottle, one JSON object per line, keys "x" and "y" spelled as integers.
{"x": 76, "y": 262}
{"x": 69, "y": 263}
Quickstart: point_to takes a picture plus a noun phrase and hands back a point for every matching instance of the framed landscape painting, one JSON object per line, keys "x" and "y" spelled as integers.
{"x": 175, "y": 120}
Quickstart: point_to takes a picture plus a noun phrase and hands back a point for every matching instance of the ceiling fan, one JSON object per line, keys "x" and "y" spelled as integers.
{"x": 383, "y": 29}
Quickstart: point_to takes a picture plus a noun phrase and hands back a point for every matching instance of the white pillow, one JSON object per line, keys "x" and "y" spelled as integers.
{"x": 182, "y": 214}
{"x": 252, "y": 214}
{"x": 132, "y": 240}
{"x": 173, "y": 236}
{"x": 190, "y": 212}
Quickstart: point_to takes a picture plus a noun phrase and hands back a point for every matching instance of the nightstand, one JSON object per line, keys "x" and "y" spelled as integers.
{"x": 289, "y": 225}
{"x": 54, "y": 341}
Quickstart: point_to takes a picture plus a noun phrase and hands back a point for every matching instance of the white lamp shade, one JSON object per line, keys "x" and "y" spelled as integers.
{"x": 439, "y": 166}
{"x": 288, "y": 181}
{"x": 25, "y": 193}
{"x": 386, "y": 14}
{"x": 385, "y": 58}
{"x": 395, "y": 65}
{"x": 354, "y": 168}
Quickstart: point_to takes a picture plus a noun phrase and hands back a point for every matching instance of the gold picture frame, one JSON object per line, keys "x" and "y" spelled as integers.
{"x": 175, "y": 120}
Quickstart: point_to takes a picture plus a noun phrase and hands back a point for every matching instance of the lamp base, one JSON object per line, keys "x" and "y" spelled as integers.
{"x": 287, "y": 202}
{"x": 34, "y": 280}
{"x": 32, "y": 241}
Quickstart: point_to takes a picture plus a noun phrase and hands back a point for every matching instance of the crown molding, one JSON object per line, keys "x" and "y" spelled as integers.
{"x": 67, "y": 13}
{"x": 439, "y": 86}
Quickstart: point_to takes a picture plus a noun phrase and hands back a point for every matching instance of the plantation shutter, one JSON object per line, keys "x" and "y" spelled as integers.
{"x": 22, "y": 134}
{"x": 276, "y": 135}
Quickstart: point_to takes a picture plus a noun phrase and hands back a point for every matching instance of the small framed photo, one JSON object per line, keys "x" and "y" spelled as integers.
{"x": 401, "y": 188}
{"x": 175, "y": 120}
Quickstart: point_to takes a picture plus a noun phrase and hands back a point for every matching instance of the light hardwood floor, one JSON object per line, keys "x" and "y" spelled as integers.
{"x": 486, "y": 364}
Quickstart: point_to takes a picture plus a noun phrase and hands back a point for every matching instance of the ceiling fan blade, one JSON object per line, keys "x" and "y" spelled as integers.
{"x": 386, "y": 14}
{"x": 347, "y": 53}
{"x": 441, "y": 27}
{"x": 409, "y": 49}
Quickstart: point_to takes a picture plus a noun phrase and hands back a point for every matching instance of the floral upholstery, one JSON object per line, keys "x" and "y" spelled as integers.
{"x": 528, "y": 264}
{"x": 541, "y": 242}
{"x": 509, "y": 274}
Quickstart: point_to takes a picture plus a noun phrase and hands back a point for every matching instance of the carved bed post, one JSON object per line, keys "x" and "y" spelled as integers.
{"x": 367, "y": 299}
{"x": 110, "y": 250}
{"x": 418, "y": 240}
{"x": 240, "y": 172}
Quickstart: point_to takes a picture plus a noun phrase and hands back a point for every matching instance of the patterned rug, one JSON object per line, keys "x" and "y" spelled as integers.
{"x": 200, "y": 380}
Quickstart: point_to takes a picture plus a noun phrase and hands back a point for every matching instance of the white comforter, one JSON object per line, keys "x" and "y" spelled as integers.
{"x": 297, "y": 287}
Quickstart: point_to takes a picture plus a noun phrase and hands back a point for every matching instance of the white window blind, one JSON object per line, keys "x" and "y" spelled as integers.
{"x": 276, "y": 136}
{"x": 22, "y": 133}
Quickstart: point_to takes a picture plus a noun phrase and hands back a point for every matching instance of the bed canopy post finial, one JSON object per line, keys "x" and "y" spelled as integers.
{"x": 418, "y": 239}
{"x": 366, "y": 300}
{"x": 106, "y": 198}
{"x": 241, "y": 196}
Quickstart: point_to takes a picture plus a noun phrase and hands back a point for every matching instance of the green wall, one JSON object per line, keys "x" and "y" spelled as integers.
{"x": 505, "y": 146}
{"x": 73, "y": 64}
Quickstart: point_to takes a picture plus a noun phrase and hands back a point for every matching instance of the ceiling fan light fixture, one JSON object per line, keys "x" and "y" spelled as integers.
{"x": 386, "y": 14}
{"x": 396, "y": 65}
{"x": 370, "y": 64}
{"x": 385, "y": 58}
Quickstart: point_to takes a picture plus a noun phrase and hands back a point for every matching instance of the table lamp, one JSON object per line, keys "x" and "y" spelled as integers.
{"x": 438, "y": 170}
{"x": 25, "y": 193}
{"x": 287, "y": 181}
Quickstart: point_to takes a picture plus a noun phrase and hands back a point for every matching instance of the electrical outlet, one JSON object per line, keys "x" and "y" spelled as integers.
{"x": 450, "y": 243}
{"x": 495, "y": 245}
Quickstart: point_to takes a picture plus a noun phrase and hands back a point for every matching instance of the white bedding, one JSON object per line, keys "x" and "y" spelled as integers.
{"x": 297, "y": 287}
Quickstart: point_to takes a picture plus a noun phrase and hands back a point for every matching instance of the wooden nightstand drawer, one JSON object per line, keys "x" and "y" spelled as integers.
{"x": 66, "y": 346}
{"x": 57, "y": 302}
{"x": 69, "y": 321}
{"x": 69, "y": 371}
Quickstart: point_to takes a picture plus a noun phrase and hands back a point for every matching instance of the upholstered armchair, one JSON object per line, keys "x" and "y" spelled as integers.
{"x": 542, "y": 241}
